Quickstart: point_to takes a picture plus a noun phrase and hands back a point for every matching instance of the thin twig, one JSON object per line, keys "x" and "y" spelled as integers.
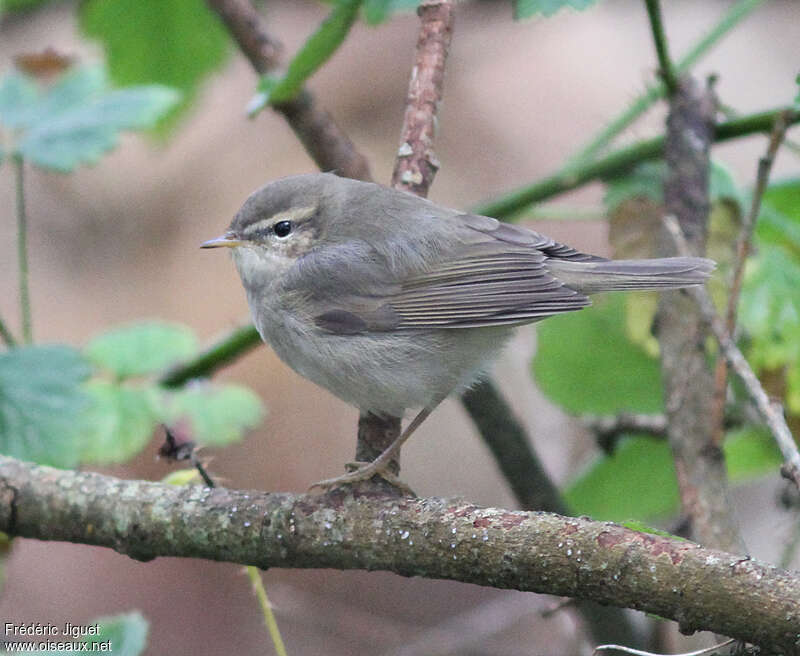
{"x": 266, "y": 609}
{"x": 653, "y": 93}
{"x": 639, "y": 652}
{"x": 324, "y": 140}
{"x": 666, "y": 68}
{"x": 771, "y": 413}
{"x": 22, "y": 251}
{"x": 416, "y": 163}
{"x": 743, "y": 246}
{"x": 5, "y": 333}
{"x": 414, "y": 170}
{"x": 608, "y": 429}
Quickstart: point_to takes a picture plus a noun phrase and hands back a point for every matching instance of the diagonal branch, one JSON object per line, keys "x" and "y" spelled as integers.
{"x": 771, "y": 413}
{"x": 743, "y": 246}
{"x": 325, "y": 142}
{"x": 700, "y": 588}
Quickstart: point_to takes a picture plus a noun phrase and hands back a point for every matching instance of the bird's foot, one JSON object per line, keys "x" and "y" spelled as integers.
{"x": 364, "y": 471}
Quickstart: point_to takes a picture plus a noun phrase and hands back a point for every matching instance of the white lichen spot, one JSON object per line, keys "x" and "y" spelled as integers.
{"x": 247, "y": 524}
{"x": 405, "y": 150}
{"x": 404, "y": 535}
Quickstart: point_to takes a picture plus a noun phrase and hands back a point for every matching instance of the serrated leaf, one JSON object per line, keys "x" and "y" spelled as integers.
{"x": 378, "y": 11}
{"x": 127, "y": 634}
{"x": 585, "y": 362}
{"x": 18, "y": 95}
{"x": 527, "y": 8}
{"x": 315, "y": 52}
{"x": 140, "y": 50}
{"x": 75, "y": 88}
{"x": 142, "y": 348}
{"x": 636, "y": 482}
{"x": 217, "y": 414}
{"x": 120, "y": 422}
{"x": 41, "y": 404}
{"x": 82, "y": 134}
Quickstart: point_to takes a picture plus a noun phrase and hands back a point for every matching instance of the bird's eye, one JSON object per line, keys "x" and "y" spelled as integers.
{"x": 282, "y": 228}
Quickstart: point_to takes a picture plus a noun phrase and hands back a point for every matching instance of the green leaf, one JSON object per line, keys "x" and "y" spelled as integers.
{"x": 779, "y": 219}
{"x": 41, "y": 404}
{"x": 18, "y": 95}
{"x": 378, "y": 11}
{"x": 315, "y": 52}
{"x": 82, "y": 134}
{"x": 127, "y": 633}
{"x": 637, "y": 481}
{"x": 142, "y": 348}
{"x": 217, "y": 414}
{"x": 176, "y": 43}
{"x": 585, "y": 362}
{"x": 527, "y": 8}
{"x": 769, "y": 311}
{"x": 750, "y": 452}
{"x": 120, "y": 422}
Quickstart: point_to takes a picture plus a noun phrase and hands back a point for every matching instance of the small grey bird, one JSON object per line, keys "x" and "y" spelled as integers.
{"x": 392, "y": 302}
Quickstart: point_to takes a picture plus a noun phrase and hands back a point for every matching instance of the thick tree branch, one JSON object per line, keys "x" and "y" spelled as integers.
{"x": 325, "y": 142}
{"x": 688, "y": 381}
{"x": 700, "y": 588}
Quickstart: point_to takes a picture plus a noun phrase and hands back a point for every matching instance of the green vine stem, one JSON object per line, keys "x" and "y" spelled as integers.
{"x": 640, "y": 105}
{"x": 613, "y": 164}
{"x": 266, "y": 608}
{"x": 22, "y": 251}
{"x": 666, "y": 69}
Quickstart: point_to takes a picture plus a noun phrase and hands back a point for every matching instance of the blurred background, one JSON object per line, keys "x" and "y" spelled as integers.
{"x": 119, "y": 242}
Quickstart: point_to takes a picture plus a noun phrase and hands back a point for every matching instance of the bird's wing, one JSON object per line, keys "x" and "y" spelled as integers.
{"x": 498, "y": 277}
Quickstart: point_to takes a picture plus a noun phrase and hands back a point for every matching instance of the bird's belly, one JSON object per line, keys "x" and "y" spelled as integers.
{"x": 387, "y": 373}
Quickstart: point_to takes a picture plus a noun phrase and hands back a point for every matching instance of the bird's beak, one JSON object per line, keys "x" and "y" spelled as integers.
{"x": 229, "y": 240}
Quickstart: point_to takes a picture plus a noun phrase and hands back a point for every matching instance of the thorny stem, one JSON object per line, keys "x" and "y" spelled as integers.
{"x": 22, "y": 251}
{"x": 266, "y": 608}
{"x": 666, "y": 69}
{"x": 640, "y": 105}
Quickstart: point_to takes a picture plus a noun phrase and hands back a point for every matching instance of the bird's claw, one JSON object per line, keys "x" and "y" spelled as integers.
{"x": 363, "y": 471}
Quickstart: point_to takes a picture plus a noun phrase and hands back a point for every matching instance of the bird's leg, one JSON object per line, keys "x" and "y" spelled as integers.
{"x": 380, "y": 465}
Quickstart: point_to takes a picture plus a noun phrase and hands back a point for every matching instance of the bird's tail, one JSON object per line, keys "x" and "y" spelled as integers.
{"x": 641, "y": 275}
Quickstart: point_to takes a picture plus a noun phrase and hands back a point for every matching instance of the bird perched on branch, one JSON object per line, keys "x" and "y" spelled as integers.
{"x": 392, "y": 302}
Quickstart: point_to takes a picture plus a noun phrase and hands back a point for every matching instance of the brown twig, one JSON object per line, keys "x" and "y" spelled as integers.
{"x": 688, "y": 381}
{"x": 413, "y": 170}
{"x": 702, "y": 589}
{"x": 325, "y": 142}
{"x": 608, "y": 429}
{"x": 771, "y": 413}
{"x": 416, "y": 163}
{"x": 743, "y": 246}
